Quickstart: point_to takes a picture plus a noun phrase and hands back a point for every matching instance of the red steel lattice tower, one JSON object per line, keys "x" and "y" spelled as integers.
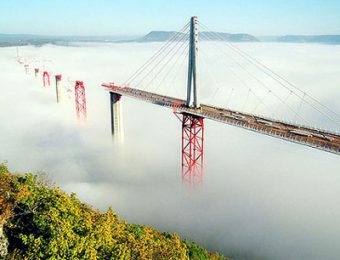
{"x": 80, "y": 99}
{"x": 46, "y": 79}
{"x": 192, "y": 148}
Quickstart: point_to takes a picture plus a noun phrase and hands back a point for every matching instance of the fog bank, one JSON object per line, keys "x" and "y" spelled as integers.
{"x": 262, "y": 198}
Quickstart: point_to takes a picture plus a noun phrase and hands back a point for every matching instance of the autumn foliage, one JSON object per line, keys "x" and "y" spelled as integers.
{"x": 42, "y": 222}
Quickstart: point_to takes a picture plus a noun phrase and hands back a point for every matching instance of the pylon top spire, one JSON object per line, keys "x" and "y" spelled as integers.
{"x": 192, "y": 86}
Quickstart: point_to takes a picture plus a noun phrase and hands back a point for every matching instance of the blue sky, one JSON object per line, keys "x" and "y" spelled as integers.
{"x": 132, "y": 17}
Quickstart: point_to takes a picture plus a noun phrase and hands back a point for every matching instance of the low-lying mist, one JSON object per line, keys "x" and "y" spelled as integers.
{"x": 261, "y": 198}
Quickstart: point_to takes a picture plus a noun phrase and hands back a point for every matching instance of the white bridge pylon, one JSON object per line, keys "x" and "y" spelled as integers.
{"x": 193, "y": 87}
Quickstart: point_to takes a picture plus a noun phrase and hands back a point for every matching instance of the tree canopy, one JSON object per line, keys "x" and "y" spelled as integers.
{"x": 40, "y": 221}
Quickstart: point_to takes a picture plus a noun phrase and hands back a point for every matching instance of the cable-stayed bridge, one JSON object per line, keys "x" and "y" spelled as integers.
{"x": 183, "y": 48}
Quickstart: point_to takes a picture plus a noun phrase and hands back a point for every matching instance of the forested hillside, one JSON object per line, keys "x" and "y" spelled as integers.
{"x": 39, "y": 221}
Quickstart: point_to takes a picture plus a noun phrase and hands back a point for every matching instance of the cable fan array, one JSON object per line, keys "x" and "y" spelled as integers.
{"x": 243, "y": 83}
{"x": 231, "y": 78}
{"x": 166, "y": 71}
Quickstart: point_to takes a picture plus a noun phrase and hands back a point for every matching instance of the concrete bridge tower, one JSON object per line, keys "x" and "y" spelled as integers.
{"x": 58, "y": 88}
{"x": 117, "y": 128}
{"x": 192, "y": 86}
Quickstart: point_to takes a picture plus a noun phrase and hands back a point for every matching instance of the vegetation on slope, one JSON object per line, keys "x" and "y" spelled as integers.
{"x": 42, "y": 222}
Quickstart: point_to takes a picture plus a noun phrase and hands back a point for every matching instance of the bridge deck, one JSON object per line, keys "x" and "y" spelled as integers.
{"x": 315, "y": 138}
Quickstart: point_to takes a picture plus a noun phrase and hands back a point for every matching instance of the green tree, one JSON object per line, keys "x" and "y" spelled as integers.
{"x": 42, "y": 222}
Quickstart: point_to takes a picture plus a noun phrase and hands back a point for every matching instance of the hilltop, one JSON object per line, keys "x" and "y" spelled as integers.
{"x": 160, "y": 36}
{"x": 39, "y": 221}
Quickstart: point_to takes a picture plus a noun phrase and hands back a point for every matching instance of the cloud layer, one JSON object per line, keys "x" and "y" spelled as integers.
{"x": 261, "y": 197}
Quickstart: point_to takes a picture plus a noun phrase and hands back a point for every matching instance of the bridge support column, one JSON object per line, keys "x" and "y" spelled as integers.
{"x": 58, "y": 88}
{"x": 46, "y": 79}
{"x": 80, "y": 98}
{"x": 117, "y": 129}
{"x": 27, "y": 67}
{"x": 192, "y": 149}
{"x": 36, "y": 72}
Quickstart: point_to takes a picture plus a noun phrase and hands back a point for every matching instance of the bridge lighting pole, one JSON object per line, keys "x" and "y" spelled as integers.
{"x": 80, "y": 98}
{"x": 192, "y": 126}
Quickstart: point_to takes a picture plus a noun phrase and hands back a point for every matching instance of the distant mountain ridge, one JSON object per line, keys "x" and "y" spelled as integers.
{"x": 329, "y": 39}
{"x": 37, "y": 40}
{"x": 160, "y": 36}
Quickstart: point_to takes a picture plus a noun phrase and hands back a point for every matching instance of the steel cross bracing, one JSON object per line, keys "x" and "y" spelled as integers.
{"x": 316, "y": 138}
{"x": 192, "y": 148}
{"x": 80, "y": 100}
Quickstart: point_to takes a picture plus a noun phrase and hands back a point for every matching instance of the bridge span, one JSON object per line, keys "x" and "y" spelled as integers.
{"x": 191, "y": 112}
{"x": 316, "y": 138}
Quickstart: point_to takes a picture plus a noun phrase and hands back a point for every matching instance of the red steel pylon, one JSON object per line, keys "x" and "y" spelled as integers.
{"x": 36, "y": 72}
{"x": 58, "y": 77}
{"x": 192, "y": 148}
{"x": 80, "y": 98}
{"x": 46, "y": 79}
